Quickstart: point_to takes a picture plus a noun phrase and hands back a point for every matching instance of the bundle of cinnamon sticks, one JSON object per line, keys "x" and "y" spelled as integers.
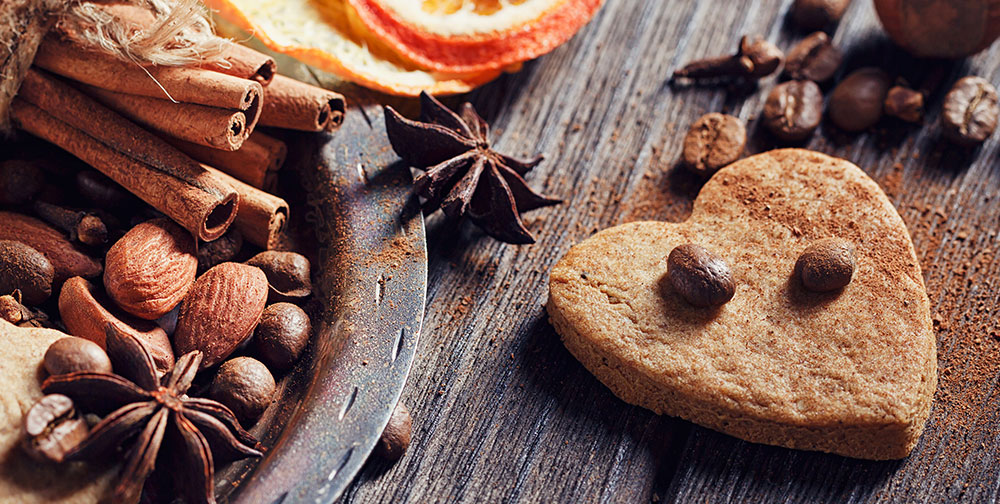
{"x": 182, "y": 139}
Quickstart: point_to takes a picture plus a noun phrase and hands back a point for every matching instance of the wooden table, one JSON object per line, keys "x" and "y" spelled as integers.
{"x": 502, "y": 412}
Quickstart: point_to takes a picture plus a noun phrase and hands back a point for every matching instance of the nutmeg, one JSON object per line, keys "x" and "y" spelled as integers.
{"x": 940, "y": 28}
{"x": 74, "y": 355}
{"x": 245, "y": 386}
{"x": 26, "y": 269}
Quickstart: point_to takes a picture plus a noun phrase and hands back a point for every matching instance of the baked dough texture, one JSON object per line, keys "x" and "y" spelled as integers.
{"x": 22, "y": 479}
{"x": 850, "y": 372}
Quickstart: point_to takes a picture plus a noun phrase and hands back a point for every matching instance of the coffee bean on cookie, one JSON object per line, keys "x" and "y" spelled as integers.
{"x": 701, "y": 277}
{"x": 826, "y": 265}
{"x": 713, "y": 141}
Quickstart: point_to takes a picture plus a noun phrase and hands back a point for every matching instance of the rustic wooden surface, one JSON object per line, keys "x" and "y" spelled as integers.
{"x": 502, "y": 412}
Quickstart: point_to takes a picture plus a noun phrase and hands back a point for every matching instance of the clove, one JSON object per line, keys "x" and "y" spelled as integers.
{"x": 756, "y": 58}
{"x": 85, "y": 227}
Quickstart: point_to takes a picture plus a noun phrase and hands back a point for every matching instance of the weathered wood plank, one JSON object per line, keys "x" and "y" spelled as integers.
{"x": 502, "y": 412}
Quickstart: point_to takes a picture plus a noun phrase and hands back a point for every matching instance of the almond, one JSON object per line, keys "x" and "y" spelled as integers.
{"x": 85, "y": 316}
{"x": 67, "y": 261}
{"x": 221, "y": 311}
{"x": 150, "y": 269}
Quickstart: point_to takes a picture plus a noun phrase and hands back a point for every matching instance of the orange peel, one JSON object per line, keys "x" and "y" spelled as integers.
{"x": 467, "y": 36}
{"x": 326, "y": 35}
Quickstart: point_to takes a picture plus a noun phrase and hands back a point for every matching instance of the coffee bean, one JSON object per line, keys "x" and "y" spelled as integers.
{"x": 970, "y": 111}
{"x": 793, "y": 110}
{"x": 52, "y": 428}
{"x": 22, "y": 267}
{"x": 395, "y": 438}
{"x": 72, "y": 355}
{"x": 856, "y": 103}
{"x": 815, "y": 58}
{"x": 713, "y": 141}
{"x": 245, "y": 386}
{"x": 699, "y": 276}
{"x": 826, "y": 265}
{"x": 904, "y": 103}
{"x": 817, "y": 14}
{"x": 281, "y": 335}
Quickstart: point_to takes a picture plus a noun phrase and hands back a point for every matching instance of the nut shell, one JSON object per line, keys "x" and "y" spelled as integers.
{"x": 220, "y": 311}
{"x": 150, "y": 269}
{"x": 287, "y": 274}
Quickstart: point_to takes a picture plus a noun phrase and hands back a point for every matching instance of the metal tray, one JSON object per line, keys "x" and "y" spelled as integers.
{"x": 372, "y": 283}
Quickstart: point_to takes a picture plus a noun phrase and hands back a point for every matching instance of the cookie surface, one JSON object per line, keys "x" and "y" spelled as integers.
{"x": 851, "y": 372}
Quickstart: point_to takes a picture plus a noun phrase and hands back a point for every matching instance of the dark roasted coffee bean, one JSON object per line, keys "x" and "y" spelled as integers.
{"x": 19, "y": 181}
{"x": 245, "y": 386}
{"x": 970, "y": 111}
{"x": 904, "y": 103}
{"x": 72, "y": 355}
{"x": 52, "y": 428}
{"x": 816, "y": 14}
{"x": 713, "y": 141}
{"x": 699, "y": 276}
{"x": 281, "y": 335}
{"x": 826, "y": 265}
{"x": 395, "y": 438}
{"x": 814, "y": 58}
{"x": 793, "y": 110}
{"x": 856, "y": 103}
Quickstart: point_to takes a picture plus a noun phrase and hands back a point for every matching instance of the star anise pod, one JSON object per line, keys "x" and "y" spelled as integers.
{"x": 142, "y": 409}
{"x": 463, "y": 175}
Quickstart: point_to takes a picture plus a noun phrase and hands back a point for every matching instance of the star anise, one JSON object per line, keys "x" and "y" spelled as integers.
{"x": 142, "y": 409}
{"x": 463, "y": 175}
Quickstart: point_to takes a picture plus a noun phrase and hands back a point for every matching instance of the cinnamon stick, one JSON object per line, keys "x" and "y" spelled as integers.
{"x": 159, "y": 174}
{"x": 183, "y": 84}
{"x": 247, "y": 63}
{"x": 261, "y": 217}
{"x": 296, "y": 105}
{"x": 209, "y": 126}
{"x": 255, "y": 163}
{"x": 23, "y": 24}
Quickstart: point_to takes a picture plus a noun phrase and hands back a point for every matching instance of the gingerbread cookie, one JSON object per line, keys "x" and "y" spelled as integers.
{"x": 851, "y": 370}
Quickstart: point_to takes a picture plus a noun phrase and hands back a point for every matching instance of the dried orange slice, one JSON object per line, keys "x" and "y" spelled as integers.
{"x": 322, "y": 33}
{"x": 473, "y": 35}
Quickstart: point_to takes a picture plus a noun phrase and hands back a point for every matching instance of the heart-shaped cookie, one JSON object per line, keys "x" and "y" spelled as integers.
{"x": 850, "y": 372}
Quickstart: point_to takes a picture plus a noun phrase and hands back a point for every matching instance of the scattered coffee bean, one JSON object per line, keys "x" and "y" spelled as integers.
{"x": 817, "y": 14}
{"x": 281, "y": 335}
{"x": 245, "y": 386}
{"x": 101, "y": 191}
{"x": 714, "y": 141}
{"x": 73, "y": 355}
{"x": 826, "y": 265}
{"x": 287, "y": 274}
{"x": 793, "y": 110}
{"x": 815, "y": 58}
{"x": 699, "y": 276}
{"x": 970, "y": 111}
{"x": 52, "y": 428}
{"x": 755, "y": 58}
{"x": 26, "y": 269}
{"x": 219, "y": 251}
{"x": 19, "y": 181}
{"x": 904, "y": 103}
{"x": 856, "y": 103}
{"x": 395, "y": 438}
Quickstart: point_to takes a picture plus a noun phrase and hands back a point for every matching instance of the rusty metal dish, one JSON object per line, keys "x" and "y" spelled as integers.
{"x": 372, "y": 284}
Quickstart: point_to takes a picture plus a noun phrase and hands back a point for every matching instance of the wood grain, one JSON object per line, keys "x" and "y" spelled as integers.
{"x": 503, "y": 413}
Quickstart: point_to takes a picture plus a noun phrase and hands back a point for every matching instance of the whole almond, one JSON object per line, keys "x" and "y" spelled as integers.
{"x": 220, "y": 311}
{"x": 67, "y": 261}
{"x": 85, "y": 316}
{"x": 150, "y": 269}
